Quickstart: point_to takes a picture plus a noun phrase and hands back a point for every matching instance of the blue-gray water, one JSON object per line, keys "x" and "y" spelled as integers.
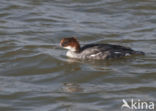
{"x": 35, "y": 75}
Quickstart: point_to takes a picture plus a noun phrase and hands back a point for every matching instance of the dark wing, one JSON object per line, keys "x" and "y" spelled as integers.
{"x": 95, "y": 51}
{"x": 102, "y": 51}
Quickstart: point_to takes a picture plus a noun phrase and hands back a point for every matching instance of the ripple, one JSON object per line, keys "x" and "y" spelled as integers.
{"x": 36, "y": 75}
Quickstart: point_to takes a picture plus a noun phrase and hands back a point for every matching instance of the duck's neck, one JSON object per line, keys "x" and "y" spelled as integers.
{"x": 76, "y": 47}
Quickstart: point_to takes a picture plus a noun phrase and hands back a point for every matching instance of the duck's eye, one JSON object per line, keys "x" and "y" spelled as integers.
{"x": 65, "y": 43}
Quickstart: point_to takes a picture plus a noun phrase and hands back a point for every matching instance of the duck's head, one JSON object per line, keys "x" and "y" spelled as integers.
{"x": 71, "y": 44}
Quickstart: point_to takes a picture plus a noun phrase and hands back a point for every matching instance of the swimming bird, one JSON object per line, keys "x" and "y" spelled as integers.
{"x": 95, "y": 51}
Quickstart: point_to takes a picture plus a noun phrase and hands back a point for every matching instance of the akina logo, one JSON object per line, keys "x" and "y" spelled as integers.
{"x": 138, "y": 105}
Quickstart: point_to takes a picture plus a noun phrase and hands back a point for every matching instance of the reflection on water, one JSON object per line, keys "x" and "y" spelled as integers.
{"x": 35, "y": 75}
{"x": 71, "y": 87}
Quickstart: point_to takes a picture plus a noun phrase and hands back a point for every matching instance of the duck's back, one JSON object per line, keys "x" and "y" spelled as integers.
{"x": 106, "y": 51}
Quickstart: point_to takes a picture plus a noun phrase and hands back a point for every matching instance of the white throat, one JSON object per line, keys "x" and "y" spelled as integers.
{"x": 70, "y": 54}
{"x": 70, "y": 48}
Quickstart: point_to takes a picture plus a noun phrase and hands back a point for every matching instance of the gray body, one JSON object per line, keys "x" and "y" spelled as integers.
{"x": 102, "y": 51}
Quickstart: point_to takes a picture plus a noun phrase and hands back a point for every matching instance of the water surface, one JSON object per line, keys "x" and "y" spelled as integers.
{"x": 35, "y": 75}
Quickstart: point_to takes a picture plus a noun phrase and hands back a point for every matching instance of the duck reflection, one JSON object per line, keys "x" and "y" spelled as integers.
{"x": 72, "y": 87}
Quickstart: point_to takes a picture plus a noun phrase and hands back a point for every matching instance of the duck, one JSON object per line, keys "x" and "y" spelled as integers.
{"x": 95, "y": 51}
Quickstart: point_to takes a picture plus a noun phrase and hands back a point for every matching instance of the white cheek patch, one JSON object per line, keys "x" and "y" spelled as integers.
{"x": 70, "y": 48}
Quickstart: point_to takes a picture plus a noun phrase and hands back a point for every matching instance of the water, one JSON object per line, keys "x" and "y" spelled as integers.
{"x": 35, "y": 75}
